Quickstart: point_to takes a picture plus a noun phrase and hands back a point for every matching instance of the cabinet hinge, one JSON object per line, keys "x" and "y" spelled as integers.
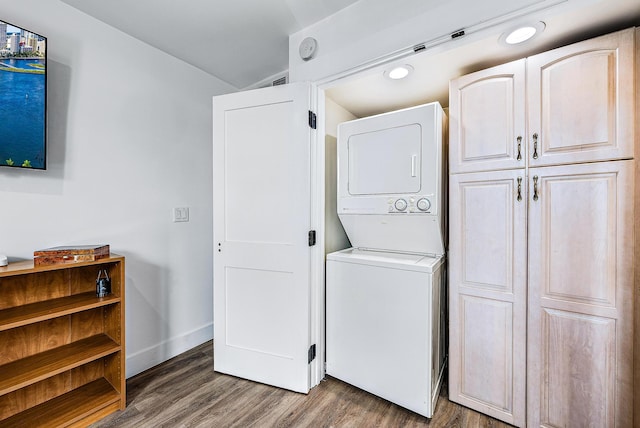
{"x": 312, "y": 120}
{"x": 312, "y": 238}
{"x": 312, "y": 353}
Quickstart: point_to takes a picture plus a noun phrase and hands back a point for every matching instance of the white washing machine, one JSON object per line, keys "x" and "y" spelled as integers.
{"x": 384, "y": 308}
{"x": 384, "y": 318}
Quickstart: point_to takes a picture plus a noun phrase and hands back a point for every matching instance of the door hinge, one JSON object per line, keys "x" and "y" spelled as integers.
{"x": 312, "y": 353}
{"x": 312, "y": 120}
{"x": 312, "y": 238}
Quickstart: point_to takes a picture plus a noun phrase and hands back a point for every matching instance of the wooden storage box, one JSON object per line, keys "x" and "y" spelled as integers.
{"x": 70, "y": 254}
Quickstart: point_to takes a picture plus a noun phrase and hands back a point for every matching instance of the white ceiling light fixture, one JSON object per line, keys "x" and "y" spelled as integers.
{"x": 398, "y": 72}
{"x": 522, "y": 33}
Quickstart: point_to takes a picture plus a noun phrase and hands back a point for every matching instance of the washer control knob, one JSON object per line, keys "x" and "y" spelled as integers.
{"x": 423, "y": 204}
{"x": 400, "y": 204}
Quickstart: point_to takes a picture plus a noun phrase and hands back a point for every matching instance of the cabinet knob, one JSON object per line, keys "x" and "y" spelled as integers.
{"x": 535, "y": 187}
{"x": 519, "y": 198}
{"x": 519, "y": 156}
{"x": 535, "y": 146}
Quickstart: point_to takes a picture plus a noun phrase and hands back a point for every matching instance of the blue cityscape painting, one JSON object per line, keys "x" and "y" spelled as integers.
{"x": 23, "y": 98}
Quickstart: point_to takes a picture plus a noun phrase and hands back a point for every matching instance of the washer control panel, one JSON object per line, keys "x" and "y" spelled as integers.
{"x": 409, "y": 204}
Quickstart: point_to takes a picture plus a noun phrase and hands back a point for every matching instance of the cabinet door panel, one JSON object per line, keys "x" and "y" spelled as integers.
{"x": 486, "y": 117}
{"x": 487, "y": 259}
{"x": 486, "y": 359}
{"x": 486, "y": 214}
{"x": 578, "y": 351}
{"x": 578, "y": 238}
{"x": 580, "y": 101}
{"x": 580, "y": 295}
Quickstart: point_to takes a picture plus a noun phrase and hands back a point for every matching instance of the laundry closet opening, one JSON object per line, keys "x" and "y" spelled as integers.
{"x": 385, "y": 235}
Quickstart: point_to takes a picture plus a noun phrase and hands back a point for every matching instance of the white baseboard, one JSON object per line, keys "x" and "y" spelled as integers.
{"x": 163, "y": 351}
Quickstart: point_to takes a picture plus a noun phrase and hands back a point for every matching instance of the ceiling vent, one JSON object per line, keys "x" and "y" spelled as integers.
{"x": 280, "y": 81}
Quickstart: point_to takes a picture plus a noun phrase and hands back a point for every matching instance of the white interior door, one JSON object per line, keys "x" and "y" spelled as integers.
{"x": 261, "y": 209}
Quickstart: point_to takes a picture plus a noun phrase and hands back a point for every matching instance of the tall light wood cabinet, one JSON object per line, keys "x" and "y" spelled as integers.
{"x": 541, "y": 236}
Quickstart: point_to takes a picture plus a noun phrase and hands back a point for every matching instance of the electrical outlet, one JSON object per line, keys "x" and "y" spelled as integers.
{"x": 180, "y": 214}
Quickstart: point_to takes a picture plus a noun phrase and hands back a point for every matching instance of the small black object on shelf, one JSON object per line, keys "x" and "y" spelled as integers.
{"x": 103, "y": 283}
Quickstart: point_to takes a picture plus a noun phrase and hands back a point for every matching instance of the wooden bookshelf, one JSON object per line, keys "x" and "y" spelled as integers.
{"x": 63, "y": 355}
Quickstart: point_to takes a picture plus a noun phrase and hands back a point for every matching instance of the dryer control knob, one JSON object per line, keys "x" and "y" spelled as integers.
{"x": 423, "y": 204}
{"x": 401, "y": 204}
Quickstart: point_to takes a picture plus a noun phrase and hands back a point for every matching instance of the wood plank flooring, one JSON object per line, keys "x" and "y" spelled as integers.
{"x": 185, "y": 392}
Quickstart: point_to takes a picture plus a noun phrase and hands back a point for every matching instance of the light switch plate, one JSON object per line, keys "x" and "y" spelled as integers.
{"x": 180, "y": 214}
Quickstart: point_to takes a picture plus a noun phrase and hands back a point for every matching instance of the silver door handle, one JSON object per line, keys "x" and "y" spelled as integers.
{"x": 519, "y": 198}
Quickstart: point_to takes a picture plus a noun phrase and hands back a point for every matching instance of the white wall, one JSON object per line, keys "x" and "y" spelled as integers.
{"x": 129, "y": 139}
{"x": 335, "y": 238}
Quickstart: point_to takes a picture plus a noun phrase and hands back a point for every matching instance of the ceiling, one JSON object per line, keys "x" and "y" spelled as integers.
{"x": 245, "y": 42}
{"x": 240, "y": 42}
{"x": 372, "y": 93}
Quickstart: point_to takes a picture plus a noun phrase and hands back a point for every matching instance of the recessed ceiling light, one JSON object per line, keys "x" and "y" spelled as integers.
{"x": 398, "y": 72}
{"x": 521, "y": 33}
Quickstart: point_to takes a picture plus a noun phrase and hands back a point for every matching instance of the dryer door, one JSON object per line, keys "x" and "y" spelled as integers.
{"x": 385, "y": 161}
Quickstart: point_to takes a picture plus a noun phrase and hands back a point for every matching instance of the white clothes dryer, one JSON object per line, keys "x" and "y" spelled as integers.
{"x": 392, "y": 180}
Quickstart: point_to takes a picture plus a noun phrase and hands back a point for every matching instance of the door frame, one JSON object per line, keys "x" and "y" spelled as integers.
{"x": 317, "y": 257}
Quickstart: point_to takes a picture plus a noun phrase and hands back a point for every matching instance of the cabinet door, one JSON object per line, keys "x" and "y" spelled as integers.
{"x": 487, "y": 119}
{"x": 580, "y": 335}
{"x": 580, "y": 101}
{"x": 487, "y": 303}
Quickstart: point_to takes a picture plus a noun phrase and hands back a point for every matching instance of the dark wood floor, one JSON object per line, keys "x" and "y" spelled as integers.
{"x": 185, "y": 392}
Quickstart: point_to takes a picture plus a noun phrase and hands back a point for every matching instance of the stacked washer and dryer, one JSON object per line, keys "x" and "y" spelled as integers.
{"x": 386, "y": 296}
